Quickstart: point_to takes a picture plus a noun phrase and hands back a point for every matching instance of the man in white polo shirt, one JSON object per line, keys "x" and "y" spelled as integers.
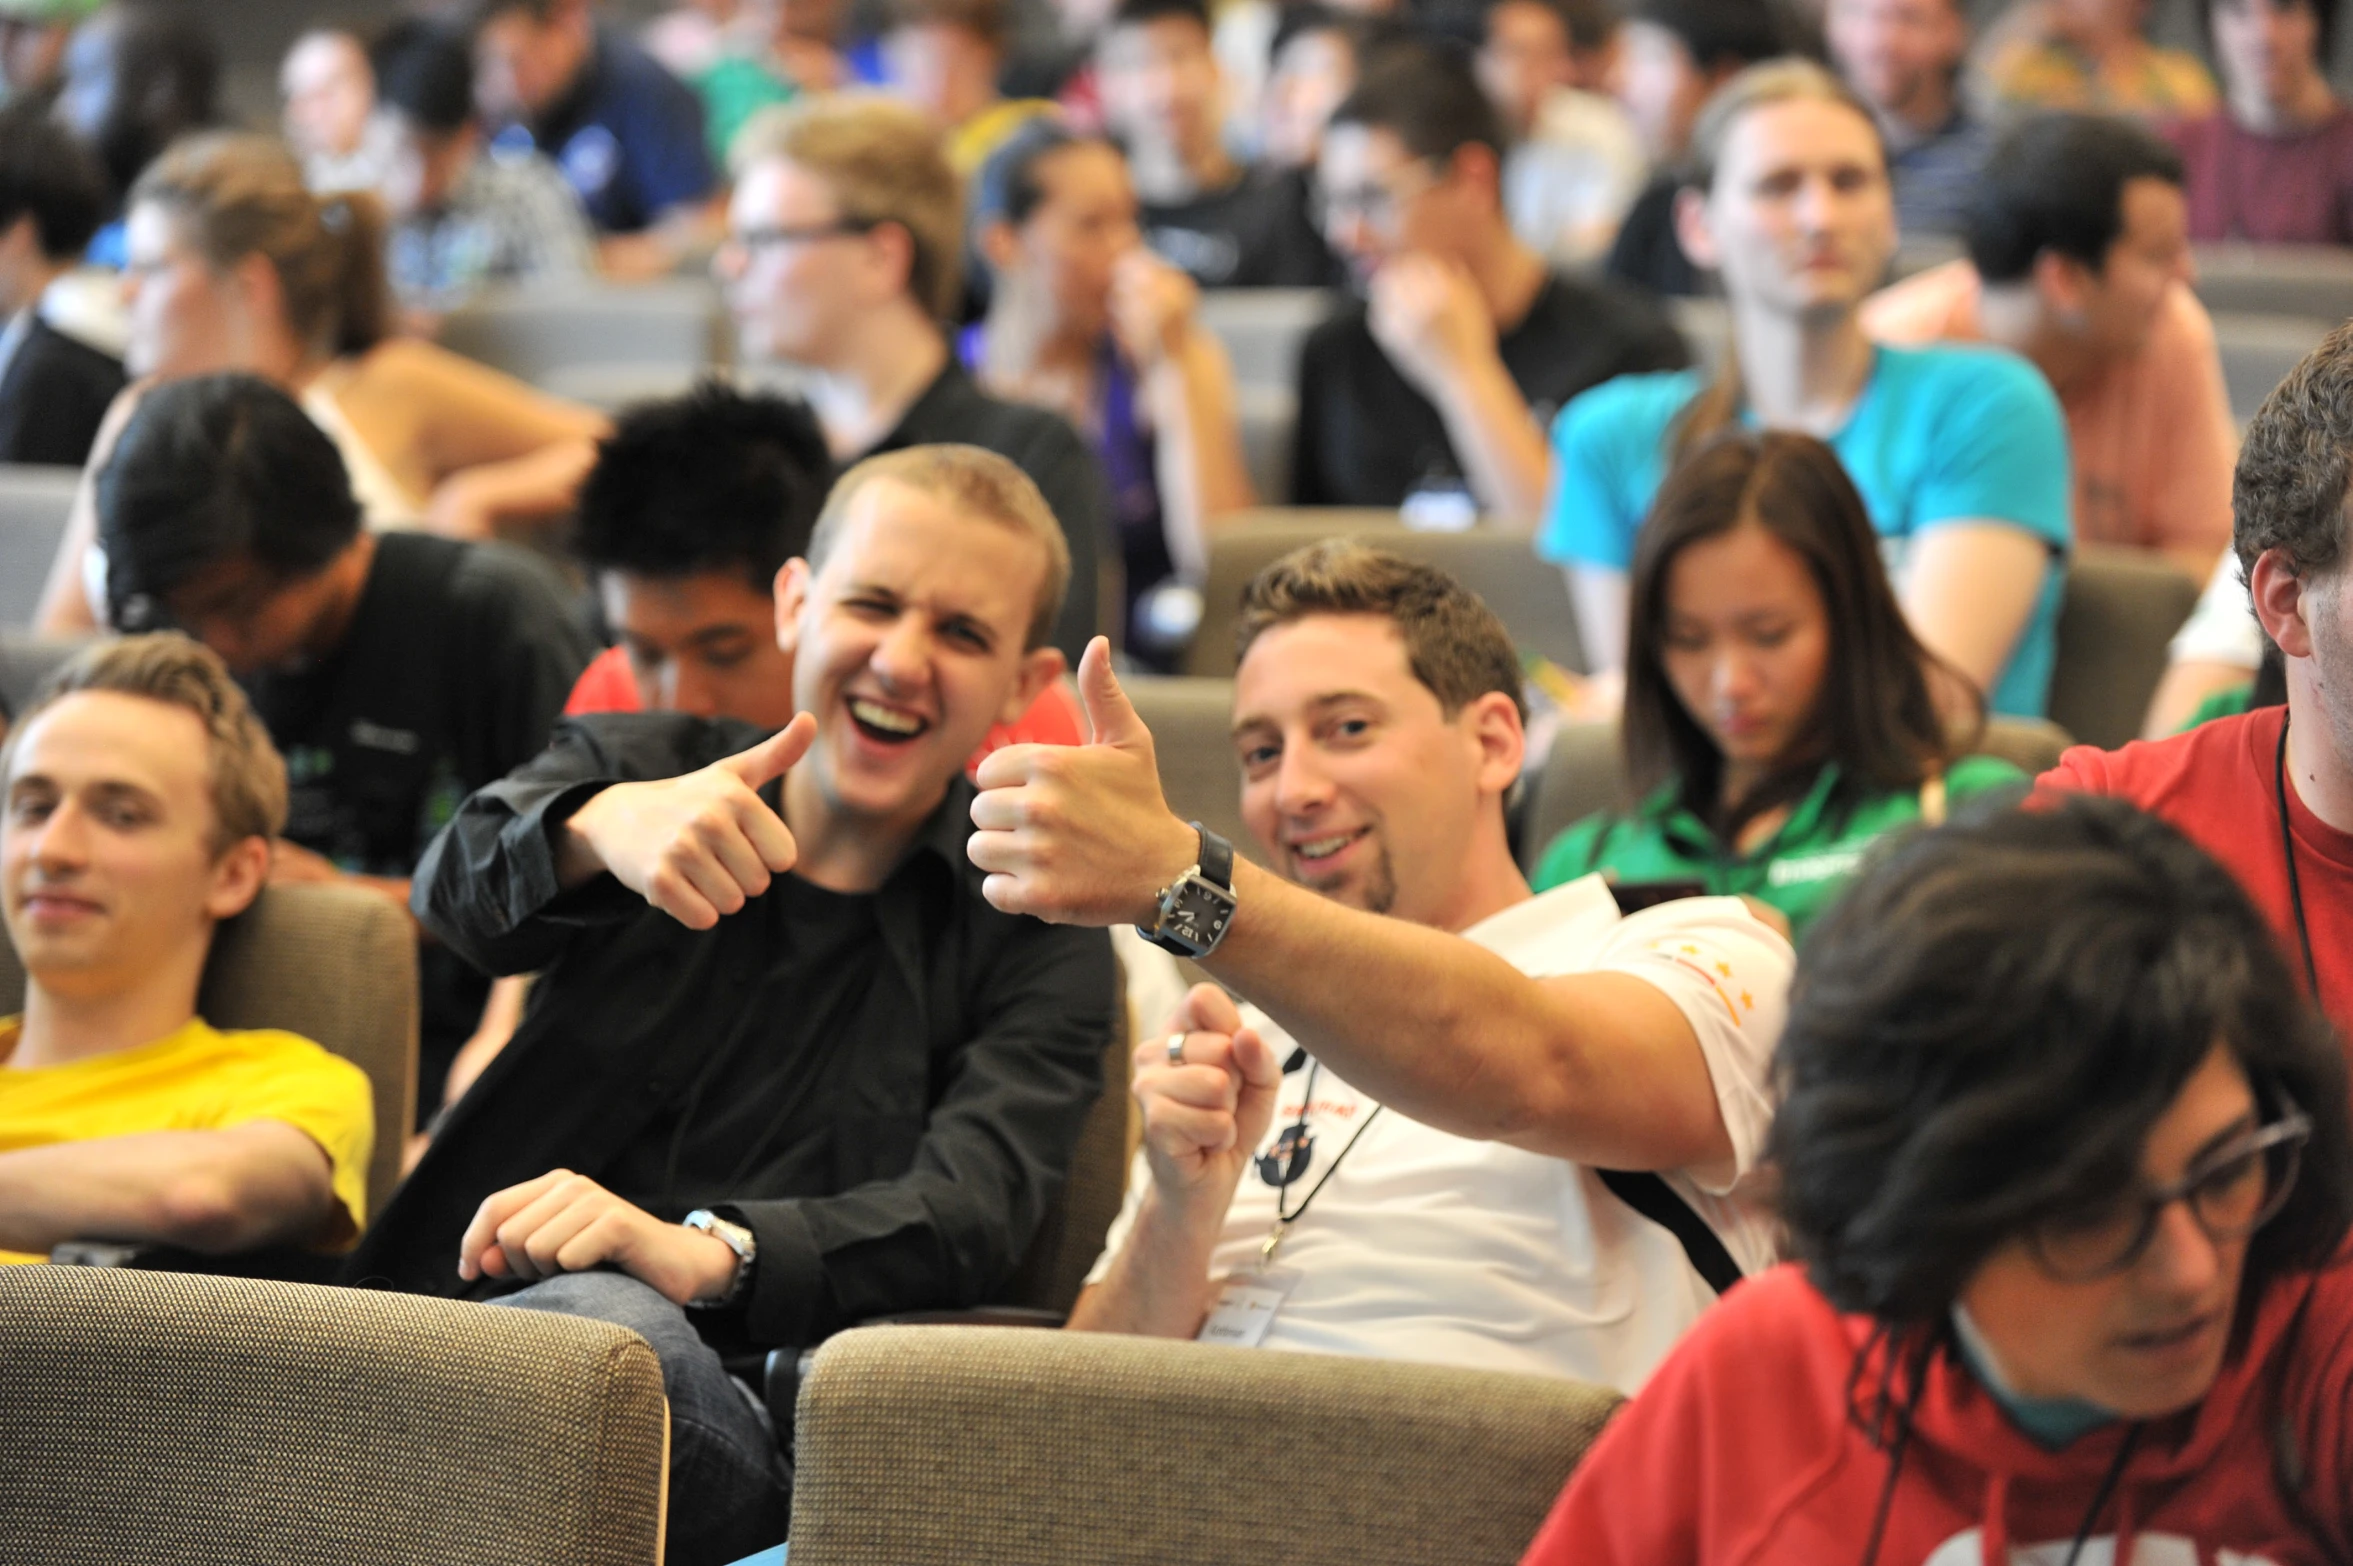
{"x": 1430, "y": 1178}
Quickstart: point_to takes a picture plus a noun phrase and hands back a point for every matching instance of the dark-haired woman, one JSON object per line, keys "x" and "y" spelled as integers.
{"x": 2066, "y": 1158}
{"x": 1960, "y": 451}
{"x": 1087, "y": 322}
{"x": 1779, "y": 712}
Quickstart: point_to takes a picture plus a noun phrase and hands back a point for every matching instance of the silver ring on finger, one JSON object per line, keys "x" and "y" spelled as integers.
{"x": 1176, "y": 1049}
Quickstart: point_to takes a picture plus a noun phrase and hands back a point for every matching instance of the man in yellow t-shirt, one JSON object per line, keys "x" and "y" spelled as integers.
{"x": 141, "y": 797}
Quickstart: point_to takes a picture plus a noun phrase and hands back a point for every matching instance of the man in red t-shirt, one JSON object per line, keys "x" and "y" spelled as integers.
{"x": 2226, "y": 784}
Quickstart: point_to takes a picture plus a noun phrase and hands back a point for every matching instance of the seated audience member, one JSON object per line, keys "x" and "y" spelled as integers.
{"x": 1318, "y": 55}
{"x": 857, "y": 1083}
{"x": 2215, "y": 659}
{"x": 1085, "y": 321}
{"x": 627, "y": 134}
{"x": 1780, "y": 714}
{"x": 33, "y": 36}
{"x": 1435, "y": 390}
{"x": 1676, "y": 54}
{"x": 2268, "y": 796}
{"x": 139, "y": 75}
{"x": 140, "y": 801}
{"x": 1227, "y": 225}
{"x": 782, "y": 48}
{"x": 1575, "y": 164}
{"x": 2078, "y": 260}
{"x": 462, "y": 218}
{"x": 944, "y": 57}
{"x": 1959, "y": 451}
{"x": 847, "y": 231}
{"x": 2274, "y": 162}
{"x": 235, "y": 266}
{"x": 2092, "y": 54}
{"x": 328, "y": 89}
{"x": 1427, "y": 1180}
{"x": 2126, "y": 1345}
{"x": 396, "y": 671}
{"x": 54, "y": 388}
{"x": 1903, "y": 58}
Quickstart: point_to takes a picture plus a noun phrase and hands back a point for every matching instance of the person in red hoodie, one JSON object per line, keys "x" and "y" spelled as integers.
{"x": 2270, "y": 792}
{"x": 2066, "y": 1159}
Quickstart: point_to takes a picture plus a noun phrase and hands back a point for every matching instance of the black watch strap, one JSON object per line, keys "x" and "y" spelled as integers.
{"x": 1217, "y": 858}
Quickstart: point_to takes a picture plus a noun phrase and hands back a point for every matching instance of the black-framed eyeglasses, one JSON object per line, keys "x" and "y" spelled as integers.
{"x": 1380, "y": 203}
{"x": 2232, "y": 1192}
{"x": 770, "y": 236}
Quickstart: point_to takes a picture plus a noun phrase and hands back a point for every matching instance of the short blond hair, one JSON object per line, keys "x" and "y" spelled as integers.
{"x": 885, "y": 163}
{"x": 974, "y": 483}
{"x": 248, "y": 776}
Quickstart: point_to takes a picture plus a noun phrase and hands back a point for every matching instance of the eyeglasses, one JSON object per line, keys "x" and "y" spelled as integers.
{"x": 774, "y": 235}
{"x": 1378, "y": 203}
{"x": 2232, "y": 1192}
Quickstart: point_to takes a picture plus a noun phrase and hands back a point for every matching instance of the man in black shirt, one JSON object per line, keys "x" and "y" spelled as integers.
{"x": 395, "y": 672}
{"x": 1230, "y": 227}
{"x": 1435, "y": 393}
{"x": 845, "y": 236}
{"x": 54, "y": 389}
{"x": 775, "y": 1003}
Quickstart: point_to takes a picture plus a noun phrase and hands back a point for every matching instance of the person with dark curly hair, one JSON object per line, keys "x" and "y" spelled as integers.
{"x": 2067, "y": 1163}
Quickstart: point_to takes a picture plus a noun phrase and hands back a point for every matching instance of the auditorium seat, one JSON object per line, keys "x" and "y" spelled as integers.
{"x": 333, "y": 963}
{"x": 2307, "y": 280}
{"x": 1706, "y": 325}
{"x": 175, "y": 1420}
{"x": 1269, "y": 420}
{"x": 2258, "y": 351}
{"x": 34, "y": 502}
{"x": 586, "y": 334}
{"x": 951, "y": 1446}
{"x": 2120, "y": 611}
{"x": 1498, "y": 564}
{"x": 27, "y": 661}
{"x": 1264, "y": 328}
{"x": 1192, "y": 722}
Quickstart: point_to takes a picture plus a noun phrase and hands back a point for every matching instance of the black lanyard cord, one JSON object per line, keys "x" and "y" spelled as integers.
{"x": 2287, "y": 848}
{"x": 1283, "y": 1220}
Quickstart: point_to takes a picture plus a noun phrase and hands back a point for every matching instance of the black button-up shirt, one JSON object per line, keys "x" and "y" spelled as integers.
{"x": 953, "y": 1111}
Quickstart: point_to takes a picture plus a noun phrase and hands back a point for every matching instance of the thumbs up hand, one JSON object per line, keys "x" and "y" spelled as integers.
{"x": 695, "y": 846}
{"x": 1080, "y": 834}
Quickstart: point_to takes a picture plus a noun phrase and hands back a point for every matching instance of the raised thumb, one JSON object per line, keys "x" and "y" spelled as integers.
{"x": 1111, "y": 717}
{"x": 774, "y": 756}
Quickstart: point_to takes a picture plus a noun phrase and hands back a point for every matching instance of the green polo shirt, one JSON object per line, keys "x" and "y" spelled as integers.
{"x": 1799, "y": 870}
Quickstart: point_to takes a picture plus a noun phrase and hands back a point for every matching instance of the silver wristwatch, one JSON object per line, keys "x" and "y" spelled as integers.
{"x": 736, "y": 1238}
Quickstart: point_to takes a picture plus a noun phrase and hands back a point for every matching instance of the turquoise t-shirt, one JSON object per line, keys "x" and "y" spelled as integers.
{"x": 1945, "y": 433}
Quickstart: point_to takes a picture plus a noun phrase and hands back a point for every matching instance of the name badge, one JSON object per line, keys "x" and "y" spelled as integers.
{"x": 1246, "y": 1307}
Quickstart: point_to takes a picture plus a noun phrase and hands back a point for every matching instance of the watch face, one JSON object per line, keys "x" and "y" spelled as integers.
{"x": 1199, "y": 915}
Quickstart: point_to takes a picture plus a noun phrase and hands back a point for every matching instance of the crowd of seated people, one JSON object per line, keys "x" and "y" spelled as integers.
{"x": 755, "y": 769}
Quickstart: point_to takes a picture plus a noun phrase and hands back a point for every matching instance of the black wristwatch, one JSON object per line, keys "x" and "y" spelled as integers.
{"x": 1196, "y": 907}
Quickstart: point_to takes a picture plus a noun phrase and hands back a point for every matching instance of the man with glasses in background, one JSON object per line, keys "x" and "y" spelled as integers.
{"x": 845, "y": 234}
{"x": 1433, "y": 394}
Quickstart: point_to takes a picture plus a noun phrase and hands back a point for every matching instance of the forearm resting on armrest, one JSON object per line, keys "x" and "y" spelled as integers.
{"x": 251, "y": 1185}
{"x": 1158, "y": 1285}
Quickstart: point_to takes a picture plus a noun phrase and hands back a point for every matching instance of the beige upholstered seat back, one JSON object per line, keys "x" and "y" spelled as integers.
{"x": 2120, "y": 611}
{"x": 1072, "y": 1235}
{"x": 177, "y": 1420}
{"x": 969, "y": 1446}
{"x": 332, "y": 963}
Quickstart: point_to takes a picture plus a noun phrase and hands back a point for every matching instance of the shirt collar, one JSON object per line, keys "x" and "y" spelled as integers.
{"x": 1664, "y": 809}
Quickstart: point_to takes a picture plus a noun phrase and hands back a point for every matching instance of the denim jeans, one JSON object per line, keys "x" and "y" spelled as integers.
{"x": 730, "y": 1485}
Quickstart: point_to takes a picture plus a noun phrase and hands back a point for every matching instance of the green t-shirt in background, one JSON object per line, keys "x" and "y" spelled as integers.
{"x": 1799, "y": 870}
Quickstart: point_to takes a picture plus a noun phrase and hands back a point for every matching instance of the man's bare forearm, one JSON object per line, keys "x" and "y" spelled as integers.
{"x": 1504, "y": 455}
{"x": 1159, "y": 1284}
{"x": 214, "y": 1191}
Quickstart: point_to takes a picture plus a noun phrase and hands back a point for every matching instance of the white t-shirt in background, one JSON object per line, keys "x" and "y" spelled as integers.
{"x": 1433, "y": 1247}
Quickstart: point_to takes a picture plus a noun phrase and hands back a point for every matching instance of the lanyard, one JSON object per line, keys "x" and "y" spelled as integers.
{"x": 2287, "y": 848}
{"x": 1289, "y": 1149}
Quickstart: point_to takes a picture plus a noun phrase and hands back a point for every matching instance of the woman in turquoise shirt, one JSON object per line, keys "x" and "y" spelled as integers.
{"x": 1780, "y": 714}
{"x": 1960, "y": 451}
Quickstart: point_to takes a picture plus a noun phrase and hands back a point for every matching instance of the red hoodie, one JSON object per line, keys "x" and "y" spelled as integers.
{"x": 1752, "y": 1444}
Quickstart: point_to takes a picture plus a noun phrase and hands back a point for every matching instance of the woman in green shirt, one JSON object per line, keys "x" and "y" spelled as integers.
{"x": 1779, "y": 712}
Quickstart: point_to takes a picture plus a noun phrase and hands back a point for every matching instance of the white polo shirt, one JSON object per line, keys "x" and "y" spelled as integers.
{"x": 1429, "y": 1246}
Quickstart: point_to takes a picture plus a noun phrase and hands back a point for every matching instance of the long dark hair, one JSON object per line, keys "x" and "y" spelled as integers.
{"x": 1875, "y": 715}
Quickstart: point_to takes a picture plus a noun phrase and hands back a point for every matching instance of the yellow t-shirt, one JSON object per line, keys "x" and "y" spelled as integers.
{"x": 197, "y": 1078}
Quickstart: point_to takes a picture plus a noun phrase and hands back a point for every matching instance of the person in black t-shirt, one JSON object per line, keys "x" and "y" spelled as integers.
{"x": 1228, "y": 226}
{"x": 396, "y": 672}
{"x": 54, "y": 390}
{"x": 1435, "y": 392}
{"x": 845, "y": 237}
